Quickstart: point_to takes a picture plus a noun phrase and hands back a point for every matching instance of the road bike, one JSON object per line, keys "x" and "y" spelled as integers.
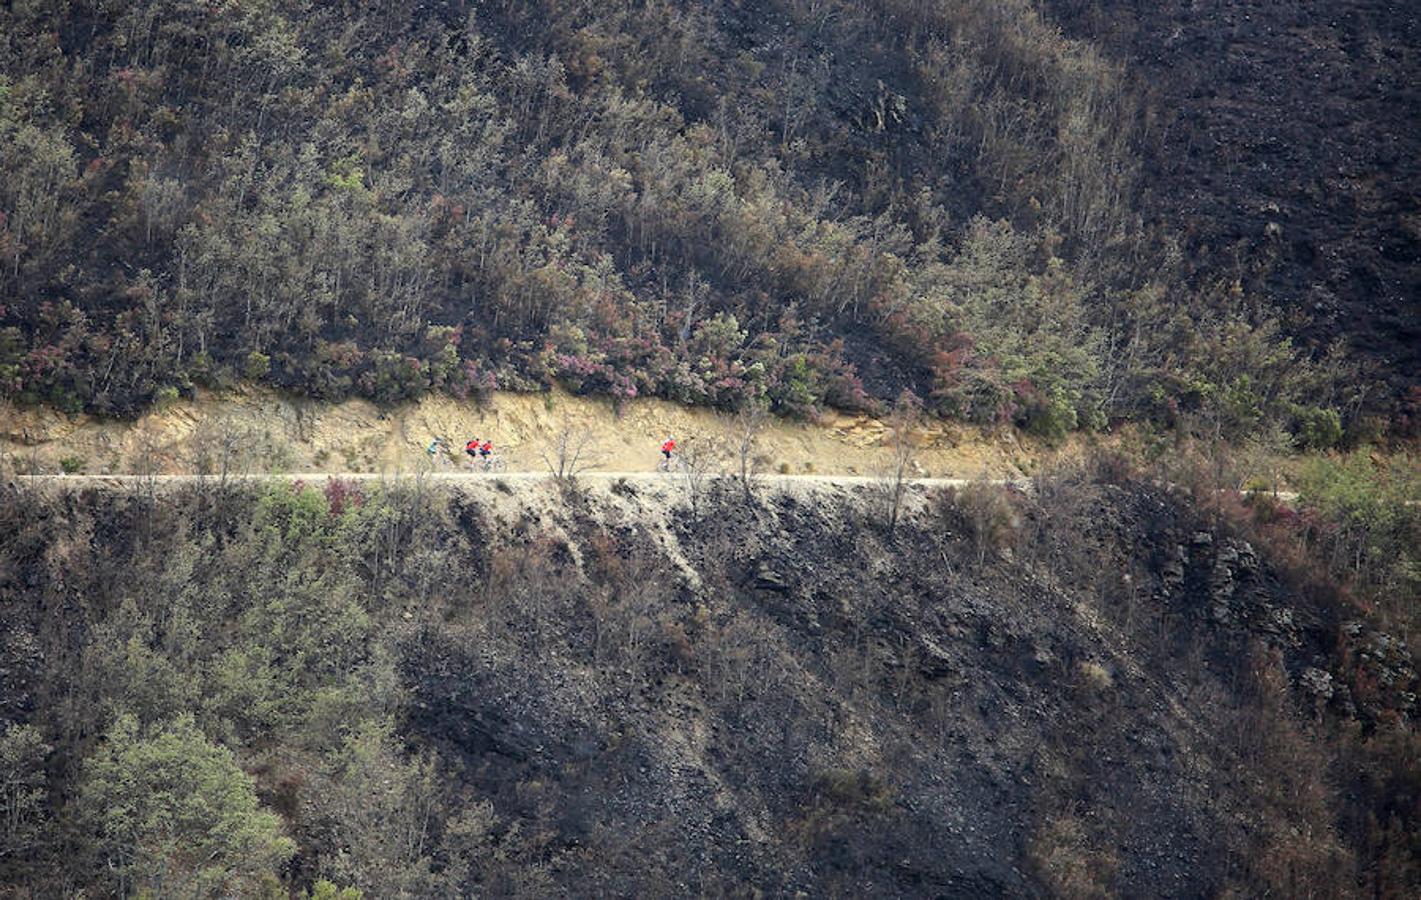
{"x": 671, "y": 466}
{"x": 492, "y": 463}
{"x": 436, "y": 459}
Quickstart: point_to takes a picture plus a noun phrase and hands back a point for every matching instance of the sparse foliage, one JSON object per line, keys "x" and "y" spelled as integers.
{"x": 891, "y": 483}
{"x": 571, "y": 451}
{"x": 982, "y": 511}
{"x": 745, "y": 433}
{"x": 697, "y": 465}
{"x": 25, "y": 825}
{"x": 434, "y": 693}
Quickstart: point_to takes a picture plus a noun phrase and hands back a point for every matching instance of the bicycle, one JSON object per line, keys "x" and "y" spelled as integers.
{"x": 671, "y": 466}
{"x": 436, "y": 457}
{"x": 493, "y": 463}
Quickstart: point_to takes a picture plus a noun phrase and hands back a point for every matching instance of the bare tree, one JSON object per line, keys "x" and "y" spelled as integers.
{"x": 224, "y": 453}
{"x": 697, "y": 466}
{"x": 987, "y": 515}
{"x": 572, "y": 451}
{"x": 892, "y": 481}
{"x": 29, "y": 463}
{"x": 1260, "y": 460}
{"x": 149, "y": 451}
{"x": 745, "y": 438}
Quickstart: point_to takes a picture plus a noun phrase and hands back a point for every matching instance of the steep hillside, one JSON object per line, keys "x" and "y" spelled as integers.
{"x": 1284, "y": 145}
{"x": 652, "y": 691}
{"x": 801, "y": 205}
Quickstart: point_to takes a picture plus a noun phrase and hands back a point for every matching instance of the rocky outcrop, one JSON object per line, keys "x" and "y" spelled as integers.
{"x": 1220, "y": 580}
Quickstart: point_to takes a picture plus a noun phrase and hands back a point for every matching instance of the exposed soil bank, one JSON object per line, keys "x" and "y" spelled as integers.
{"x": 260, "y": 430}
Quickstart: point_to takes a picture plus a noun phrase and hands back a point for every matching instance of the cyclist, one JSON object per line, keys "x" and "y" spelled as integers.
{"x": 433, "y": 449}
{"x": 472, "y": 448}
{"x": 668, "y": 447}
{"x": 486, "y": 450}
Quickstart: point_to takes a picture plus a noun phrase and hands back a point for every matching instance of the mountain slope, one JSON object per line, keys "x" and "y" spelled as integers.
{"x": 722, "y": 203}
{"x": 1283, "y": 144}
{"x": 657, "y": 690}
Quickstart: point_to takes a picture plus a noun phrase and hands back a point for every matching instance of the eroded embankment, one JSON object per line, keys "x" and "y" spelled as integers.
{"x": 634, "y": 689}
{"x": 259, "y": 430}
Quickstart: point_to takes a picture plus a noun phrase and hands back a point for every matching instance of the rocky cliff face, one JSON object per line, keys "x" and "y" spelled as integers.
{"x": 649, "y": 692}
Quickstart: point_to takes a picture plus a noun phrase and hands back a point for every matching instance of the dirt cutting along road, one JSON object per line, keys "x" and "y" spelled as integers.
{"x": 263, "y": 431}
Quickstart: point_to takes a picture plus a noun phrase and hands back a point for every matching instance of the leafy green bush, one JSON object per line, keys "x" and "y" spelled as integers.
{"x": 1370, "y": 527}
{"x": 1050, "y": 416}
{"x": 256, "y": 366}
{"x": 170, "y": 807}
{"x": 794, "y": 391}
{"x": 1317, "y": 428}
{"x": 325, "y": 890}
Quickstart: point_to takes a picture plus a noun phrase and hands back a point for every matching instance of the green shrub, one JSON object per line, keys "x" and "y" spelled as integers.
{"x": 796, "y": 393}
{"x": 1051, "y": 417}
{"x": 257, "y": 365}
{"x": 168, "y": 806}
{"x": 1363, "y": 430}
{"x": 201, "y": 369}
{"x": 325, "y": 890}
{"x": 1317, "y": 428}
{"x": 1371, "y": 528}
{"x": 71, "y": 465}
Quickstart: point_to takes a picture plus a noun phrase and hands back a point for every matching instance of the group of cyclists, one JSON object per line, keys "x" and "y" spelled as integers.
{"x": 481, "y": 455}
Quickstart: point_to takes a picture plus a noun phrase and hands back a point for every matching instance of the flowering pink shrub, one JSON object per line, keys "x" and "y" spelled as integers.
{"x": 343, "y": 493}
{"x": 476, "y": 381}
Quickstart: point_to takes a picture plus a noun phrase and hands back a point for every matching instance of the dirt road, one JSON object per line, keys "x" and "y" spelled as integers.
{"x": 459, "y": 479}
{"x": 456, "y": 478}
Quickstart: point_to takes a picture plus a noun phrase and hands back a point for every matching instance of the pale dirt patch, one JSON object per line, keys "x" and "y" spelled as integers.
{"x": 258, "y": 430}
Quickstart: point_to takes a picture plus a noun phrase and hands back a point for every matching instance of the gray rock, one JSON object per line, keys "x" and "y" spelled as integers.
{"x": 767, "y": 579}
{"x": 1316, "y": 682}
{"x": 933, "y": 661}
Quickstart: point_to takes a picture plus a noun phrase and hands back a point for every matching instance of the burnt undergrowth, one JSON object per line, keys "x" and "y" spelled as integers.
{"x": 1095, "y": 688}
